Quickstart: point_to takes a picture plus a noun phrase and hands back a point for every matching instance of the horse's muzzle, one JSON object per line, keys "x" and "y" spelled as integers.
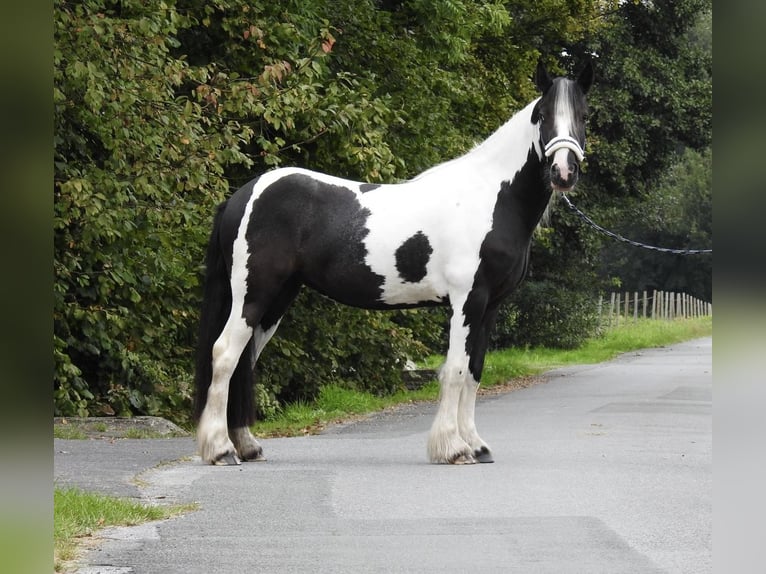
{"x": 564, "y": 179}
{"x": 566, "y": 154}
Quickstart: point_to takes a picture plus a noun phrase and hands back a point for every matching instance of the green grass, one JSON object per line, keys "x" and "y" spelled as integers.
{"x": 69, "y": 432}
{"x": 336, "y": 404}
{"x": 509, "y": 363}
{"x": 77, "y": 515}
{"x": 142, "y": 433}
{"x": 79, "y": 431}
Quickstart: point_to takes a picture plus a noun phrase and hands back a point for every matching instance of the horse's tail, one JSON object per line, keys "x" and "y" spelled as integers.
{"x": 216, "y": 307}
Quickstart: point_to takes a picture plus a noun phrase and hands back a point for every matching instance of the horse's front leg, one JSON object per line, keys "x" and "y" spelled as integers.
{"x": 478, "y": 342}
{"x": 467, "y": 423}
{"x": 445, "y": 443}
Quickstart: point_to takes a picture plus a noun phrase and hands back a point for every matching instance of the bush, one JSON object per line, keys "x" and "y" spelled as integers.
{"x": 320, "y": 342}
{"x": 543, "y": 314}
{"x": 147, "y": 139}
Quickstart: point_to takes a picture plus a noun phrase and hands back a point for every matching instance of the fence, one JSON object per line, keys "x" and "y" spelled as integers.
{"x": 664, "y": 305}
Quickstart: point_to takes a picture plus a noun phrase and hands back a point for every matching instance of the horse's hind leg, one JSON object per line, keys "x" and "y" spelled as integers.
{"x": 245, "y": 443}
{"x": 241, "y": 406}
{"x": 212, "y": 433}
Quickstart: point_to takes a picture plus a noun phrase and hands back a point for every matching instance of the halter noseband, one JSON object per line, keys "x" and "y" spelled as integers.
{"x": 567, "y": 142}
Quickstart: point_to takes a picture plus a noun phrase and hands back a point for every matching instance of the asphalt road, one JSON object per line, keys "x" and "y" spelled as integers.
{"x": 602, "y": 469}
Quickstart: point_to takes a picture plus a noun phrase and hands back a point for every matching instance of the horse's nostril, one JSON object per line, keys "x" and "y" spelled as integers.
{"x": 573, "y": 168}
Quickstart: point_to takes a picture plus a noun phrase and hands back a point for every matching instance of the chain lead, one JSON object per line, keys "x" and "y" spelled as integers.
{"x": 613, "y": 235}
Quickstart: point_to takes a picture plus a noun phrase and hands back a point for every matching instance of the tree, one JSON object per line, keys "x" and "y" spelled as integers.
{"x": 453, "y": 71}
{"x": 651, "y": 102}
{"x": 146, "y": 143}
{"x": 651, "y": 167}
{"x": 163, "y": 107}
{"x": 676, "y": 213}
{"x": 133, "y": 164}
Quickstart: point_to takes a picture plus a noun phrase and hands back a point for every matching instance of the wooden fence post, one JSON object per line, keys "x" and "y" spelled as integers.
{"x": 626, "y": 305}
{"x": 672, "y": 306}
{"x": 644, "y": 309}
{"x": 665, "y": 305}
{"x": 659, "y": 305}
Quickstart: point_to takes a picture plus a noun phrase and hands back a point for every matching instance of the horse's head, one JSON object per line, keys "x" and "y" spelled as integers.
{"x": 560, "y": 113}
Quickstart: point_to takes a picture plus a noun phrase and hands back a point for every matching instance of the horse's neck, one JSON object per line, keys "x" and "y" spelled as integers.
{"x": 497, "y": 158}
{"x": 507, "y": 149}
{"x": 512, "y": 159}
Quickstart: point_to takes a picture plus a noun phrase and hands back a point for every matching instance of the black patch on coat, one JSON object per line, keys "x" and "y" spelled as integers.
{"x": 365, "y": 187}
{"x": 504, "y": 254}
{"x": 306, "y": 231}
{"x": 412, "y": 256}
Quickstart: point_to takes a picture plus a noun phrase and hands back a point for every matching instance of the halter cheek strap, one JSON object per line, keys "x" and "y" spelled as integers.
{"x": 567, "y": 142}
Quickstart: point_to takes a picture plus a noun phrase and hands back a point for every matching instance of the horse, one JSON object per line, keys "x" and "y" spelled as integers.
{"x": 459, "y": 234}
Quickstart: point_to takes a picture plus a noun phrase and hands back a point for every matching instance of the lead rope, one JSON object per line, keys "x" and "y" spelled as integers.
{"x": 618, "y": 237}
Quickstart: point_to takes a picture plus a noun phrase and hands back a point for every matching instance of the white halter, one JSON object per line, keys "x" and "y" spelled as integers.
{"x": 567, "y": 142}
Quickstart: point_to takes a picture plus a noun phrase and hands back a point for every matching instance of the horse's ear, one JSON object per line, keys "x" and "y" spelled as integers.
{"x": 586, "y": 77}
{"x": 536, "y": 113}
{"x": 542, "y": 79}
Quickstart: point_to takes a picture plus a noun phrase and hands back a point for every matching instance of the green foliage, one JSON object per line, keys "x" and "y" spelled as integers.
{"x": 676, "y": 213}
{"x": 453, "y": 71}
{"x": 134, "y": 163}
{"x": 542, "y": 314}
{"x": 353, "y": 348}
{"x": 269, "y": 70}
{"x": 652, "y": 96}
{"x": 163, "y": 107}
{"x": 145, "y": 145}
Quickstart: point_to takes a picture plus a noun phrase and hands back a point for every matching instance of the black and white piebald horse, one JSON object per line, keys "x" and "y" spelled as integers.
{"x": 458, "y": 234}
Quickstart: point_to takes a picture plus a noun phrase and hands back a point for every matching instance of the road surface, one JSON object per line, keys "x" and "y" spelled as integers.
{"x": 602, "y": 469}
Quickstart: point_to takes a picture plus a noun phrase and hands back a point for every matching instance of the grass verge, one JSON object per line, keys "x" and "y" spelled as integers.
{"x": 78, "y": 515}
{"x": 336, "y": 404}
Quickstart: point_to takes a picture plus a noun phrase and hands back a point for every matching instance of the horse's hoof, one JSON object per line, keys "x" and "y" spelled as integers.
{"x": 483, "y": 455}
{"x": 227, "y": 459}
{"x": 463, "y": 458}
{"x": 257, "y": 457}
{"x": 252, "y": 455}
